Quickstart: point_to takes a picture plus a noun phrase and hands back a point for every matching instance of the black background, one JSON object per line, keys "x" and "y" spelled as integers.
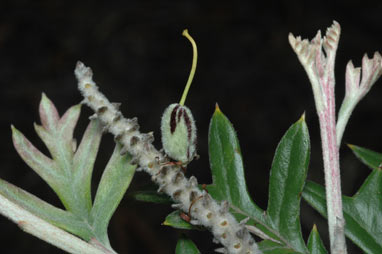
{"x": 139, "y": 58}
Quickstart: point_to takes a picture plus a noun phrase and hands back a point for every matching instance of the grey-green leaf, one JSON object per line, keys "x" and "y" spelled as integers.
{"x": 287, "y": 179}
{"x": 46, "y": 168}
{"x": 114, "y": 182}
{"x": 83, "y": 163}
{"x": 42, "y": 209}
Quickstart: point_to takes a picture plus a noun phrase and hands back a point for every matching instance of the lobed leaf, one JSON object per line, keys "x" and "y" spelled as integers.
{"x": 46, "y": 168}
{"x": 83, "y": 163}
{"x": 44, "y": 210}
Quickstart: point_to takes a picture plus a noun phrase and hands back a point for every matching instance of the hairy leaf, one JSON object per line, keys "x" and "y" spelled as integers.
{"x": 114, "y": 182}
{"x": 227, "y": 167}
{"x": 287, "y": 179}
{"x": 44, "y": 210}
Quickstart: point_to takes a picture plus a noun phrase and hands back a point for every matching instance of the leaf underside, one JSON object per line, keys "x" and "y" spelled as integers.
{"x": 68, "y": 172}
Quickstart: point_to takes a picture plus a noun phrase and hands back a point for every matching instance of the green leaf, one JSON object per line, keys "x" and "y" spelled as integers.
{"x": 114, "y": 182}
{"x": 362, "y": 212}
{"x": 315, "y": 244}
{"x": 269, "y": 247}
{"x": 152, "y": 197}
{"x": 287, "y": 179}
{"x": 186, "y": 246}
{"x": 289, "y": 169}
{"x": 44, "y": 210}
{"x": 174, "y": 220}
{"x": 370, "y": 158}
{"x": 227, "y": 168}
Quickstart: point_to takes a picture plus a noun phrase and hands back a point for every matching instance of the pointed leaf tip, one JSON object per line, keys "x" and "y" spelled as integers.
{"x": 217, "y": 109}
{"x": 350, "y": 146}
{"x": 302, "y": 118}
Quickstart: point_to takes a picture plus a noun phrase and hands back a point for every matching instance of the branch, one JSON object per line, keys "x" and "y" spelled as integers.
{"x": 205, "y": 210}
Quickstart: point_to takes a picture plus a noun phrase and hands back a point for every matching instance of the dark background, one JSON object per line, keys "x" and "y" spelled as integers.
{"x": 139, "y": 58}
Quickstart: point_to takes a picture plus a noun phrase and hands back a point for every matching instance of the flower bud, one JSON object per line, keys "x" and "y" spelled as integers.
{"x": 179, "y": 133}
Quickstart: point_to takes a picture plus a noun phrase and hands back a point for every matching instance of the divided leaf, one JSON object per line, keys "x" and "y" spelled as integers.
{"x": 115, "y": 180}
{"x": 69, "y": 173}
{"x": 56, "y": 216}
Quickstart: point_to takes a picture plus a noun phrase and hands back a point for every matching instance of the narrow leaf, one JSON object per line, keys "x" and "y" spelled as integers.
{"x": 368, "y": 157}
{"x": 287, "y": 179}
{"x": 186, "y": 246}
{"x": 83, "y": 163}
{"x": 42, "y": 209}
{"x": 269, "y": 247}
{"x": 152, "y": 197}
{"x": 227, "y": 167}
{"x": 315, "y": 244}
{"x": 114, "y": 182}
{"x": 46, "y": 168}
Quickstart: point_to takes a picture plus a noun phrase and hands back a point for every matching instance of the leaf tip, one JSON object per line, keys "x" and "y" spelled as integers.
{"x": 217, "y": 109}
{"x": 351, "y": 146}
{"x": 302, "y": 118}
{"x": 14, "y": 130}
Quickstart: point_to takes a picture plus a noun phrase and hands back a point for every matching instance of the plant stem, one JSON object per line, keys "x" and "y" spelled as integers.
{"x": 46, "y": 231}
